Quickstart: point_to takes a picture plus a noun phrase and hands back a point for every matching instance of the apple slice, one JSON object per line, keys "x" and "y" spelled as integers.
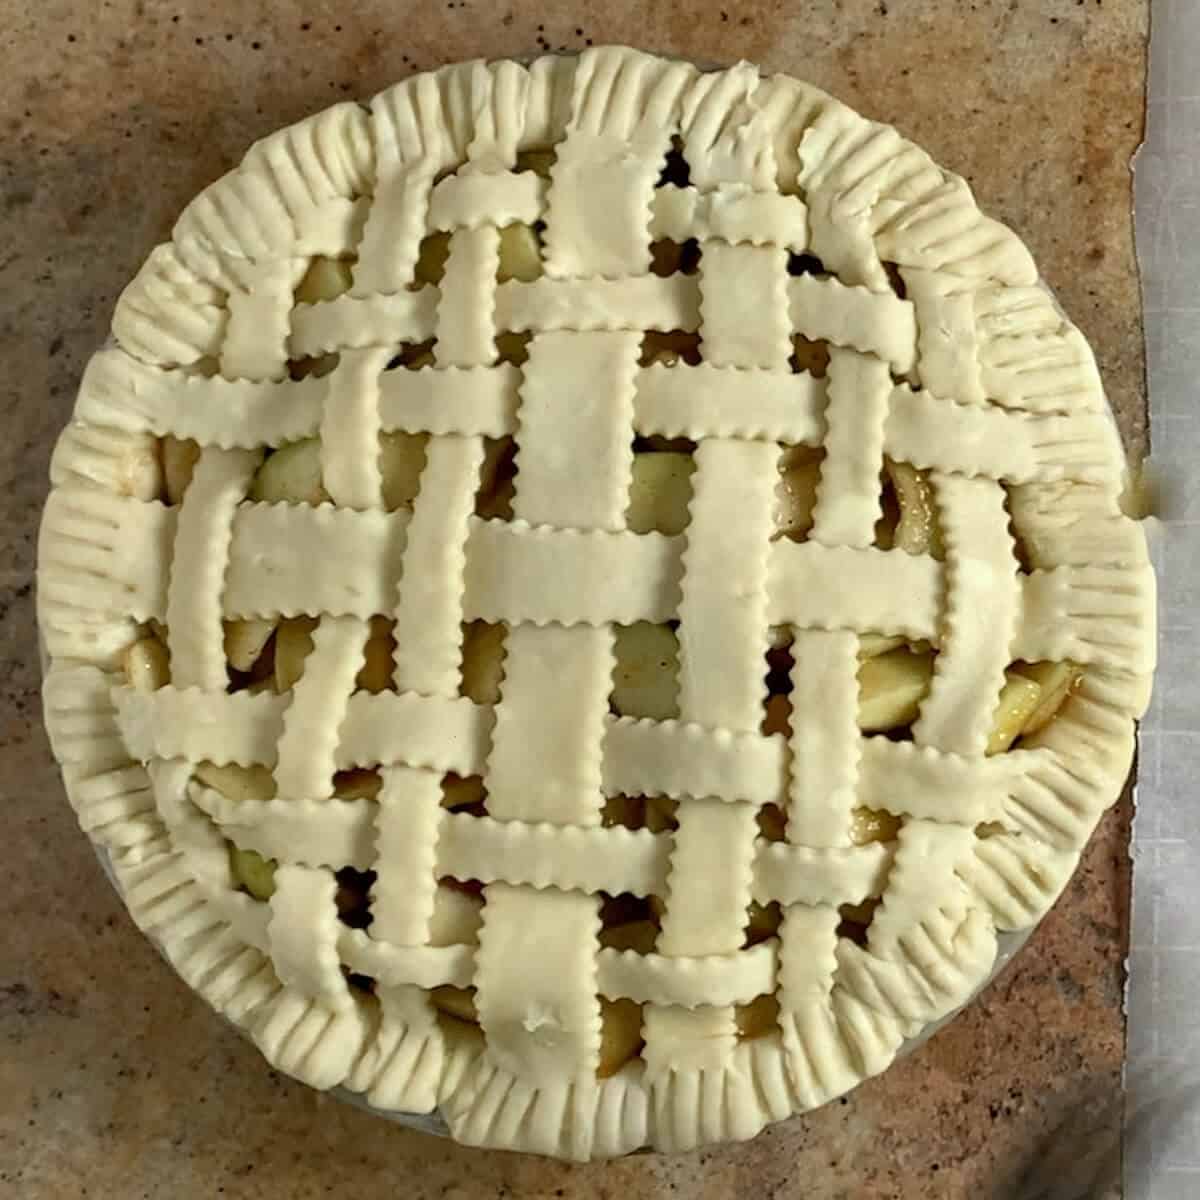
{"x": 620, "y": 1035}
{"x": 483, "y": 661}
{"x": 758, "y": 1018}
{"x": 870, "y": 645}
{"x": 762, "y": 922}
{"x": 293, "y": 644}
{"x": 799, "y": 475}
{"x": 1057, "y": 681}
{"x": 660, "y": 492}
{"x": 292, "y": 475}
{"x": 431, "y": 258}
{"x": 237, "y": 782}
{"x": 520, "y": 253}
{"x": 645, "y": 680}
{"x": 891, "y": 687}
{"x": 631, "y": 935}
{"x": 661, "y": 814}
{"x": 455, "y": 1002}
{"x": 357, "y": 784}
{"x": 539, "y": 161}
{"x": 179, "y": 458}
{"x": 147, "y": 665}
{"x": 629, "y": 811}
{"x": 917, "y": 529}
{"x": 401, "y": 461}
{"x": 246, "y": 640}
{"x": 873, "y": 825}
{"x": 375, "y": 675}
{"x": 325, "y": 279}
{"x": 497, "y": 479}
{"x": 252, "y": 872}
{"x": 462, "y": 792}
{"x": 1019, "y": 701}
{"x": 455, "y": 919}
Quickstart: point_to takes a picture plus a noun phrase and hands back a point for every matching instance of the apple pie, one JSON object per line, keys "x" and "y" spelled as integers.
{"x": 585, "y": 595}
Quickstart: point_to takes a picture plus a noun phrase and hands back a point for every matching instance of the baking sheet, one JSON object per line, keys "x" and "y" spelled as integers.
{"x": 1162, "y": 1124}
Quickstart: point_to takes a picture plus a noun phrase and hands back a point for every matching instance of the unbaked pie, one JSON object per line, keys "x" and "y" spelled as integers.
{"x": 585, "y": 595}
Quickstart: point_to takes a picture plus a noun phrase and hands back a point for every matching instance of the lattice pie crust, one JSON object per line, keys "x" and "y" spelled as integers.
{"x": 505, "y": 255}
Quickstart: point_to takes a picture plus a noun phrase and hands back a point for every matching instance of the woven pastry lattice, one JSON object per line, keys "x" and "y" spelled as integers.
{"x": 965, "y": 370}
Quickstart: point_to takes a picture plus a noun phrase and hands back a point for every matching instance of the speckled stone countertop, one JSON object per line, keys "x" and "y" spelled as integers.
{"x": 114, "y": 1080}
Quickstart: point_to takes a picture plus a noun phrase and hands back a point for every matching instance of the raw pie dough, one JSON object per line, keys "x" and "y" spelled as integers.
{"x": 598, "y": 792}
